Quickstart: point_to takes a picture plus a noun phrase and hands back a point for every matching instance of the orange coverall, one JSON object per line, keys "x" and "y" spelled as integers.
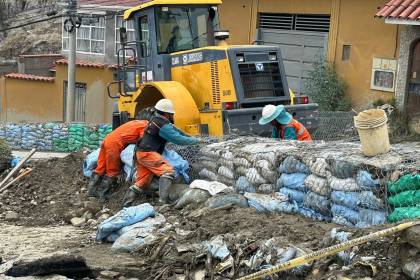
{"x": 109, "y": 162}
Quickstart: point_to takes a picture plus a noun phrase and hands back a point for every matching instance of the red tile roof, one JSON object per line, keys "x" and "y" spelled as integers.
{"x": 82, "y": 63}
{"x": 112, "y": 3}
{"x": 401, "y": 9}
{"x": 29, "y": 77}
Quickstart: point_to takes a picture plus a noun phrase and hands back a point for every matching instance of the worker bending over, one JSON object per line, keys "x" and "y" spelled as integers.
{"x": 285, "y": 127}
{"x": 109, "y": 163}
{"x": 150, "y": 162}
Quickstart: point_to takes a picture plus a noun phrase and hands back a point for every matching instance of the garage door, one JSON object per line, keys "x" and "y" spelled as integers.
{"x": 301, "y": 38}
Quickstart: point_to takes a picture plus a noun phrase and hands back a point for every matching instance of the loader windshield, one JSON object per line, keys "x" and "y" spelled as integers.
{"x": 180, "y": 29}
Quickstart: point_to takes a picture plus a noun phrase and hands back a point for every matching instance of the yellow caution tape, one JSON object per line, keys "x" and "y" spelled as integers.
{"x": 328, "y": 251}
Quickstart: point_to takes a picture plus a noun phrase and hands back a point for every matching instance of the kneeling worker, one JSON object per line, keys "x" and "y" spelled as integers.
{"x": 109, "y": 163}
{"x": 285, "y": 127}
{"x": 149, "y": 153}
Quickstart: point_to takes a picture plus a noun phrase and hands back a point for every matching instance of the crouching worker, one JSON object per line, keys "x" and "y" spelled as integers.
{"x": 149, "y": 153}
{"x": 285, "y": 127}
{"x": 109, "y": 164}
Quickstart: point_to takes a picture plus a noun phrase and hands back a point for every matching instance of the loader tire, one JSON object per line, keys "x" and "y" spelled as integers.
{"x": 146, "y": 113}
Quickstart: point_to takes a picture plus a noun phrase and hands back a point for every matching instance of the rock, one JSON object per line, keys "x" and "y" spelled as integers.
{"x": 103, "y": 217}
{"x": 69, "y": 215}
{"x": 87, "y": 215}
{"x": 11, "y": 216}
{"x": 93, "y": 206}
{"x": 92, "y": 223}
{"x": 107, "y": 274}
{"x": 77, "y": 222}
{"x": 33, "y": 202}
{"x": 412, "y": 269}
{"x": 176, "y": 191}
{"x": 412, "y": 236}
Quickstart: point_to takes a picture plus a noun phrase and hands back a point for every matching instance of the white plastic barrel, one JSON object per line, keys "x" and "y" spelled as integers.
{"x": 373, "y": 132}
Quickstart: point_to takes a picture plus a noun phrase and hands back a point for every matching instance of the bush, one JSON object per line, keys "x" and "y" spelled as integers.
{"x": 325, "y": 87}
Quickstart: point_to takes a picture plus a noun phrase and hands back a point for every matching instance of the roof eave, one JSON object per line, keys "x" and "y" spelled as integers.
{"x": 401, "y": 21}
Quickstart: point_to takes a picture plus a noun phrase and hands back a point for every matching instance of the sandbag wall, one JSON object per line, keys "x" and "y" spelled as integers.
{"x": 57, "y": 137}
{"x": 404, "y": 198}
{"x": 331, "y": 182}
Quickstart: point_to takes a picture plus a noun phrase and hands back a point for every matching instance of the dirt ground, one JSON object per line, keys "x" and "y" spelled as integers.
{"x": 56, "y": 189}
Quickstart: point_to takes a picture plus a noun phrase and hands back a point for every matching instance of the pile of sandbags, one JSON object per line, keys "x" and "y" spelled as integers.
{"x": 76, "y": 134}
{"x": 60, "y": 134}
{"x": 404, "y": 197}
{"x": 103, "y": 131}
{"x": 91, "y": 138}
{"x": 38, "y": 136}
{"x": 14, "y": 135}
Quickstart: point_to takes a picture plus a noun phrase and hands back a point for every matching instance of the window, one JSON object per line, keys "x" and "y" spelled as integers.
{"x": 185, "y": 28}
{"x": 79, "y": 101}
{"x": 346, "y": 53}
{"x": 129, "y": 25}
{"x": 90, "y": 36}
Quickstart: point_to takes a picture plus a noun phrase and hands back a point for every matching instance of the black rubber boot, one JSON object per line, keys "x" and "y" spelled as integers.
{"x": 95, "y": 179}
{"x": 164, "y": 184}
{"x": 131, "y": 195}
{"x": 107, "y": 186}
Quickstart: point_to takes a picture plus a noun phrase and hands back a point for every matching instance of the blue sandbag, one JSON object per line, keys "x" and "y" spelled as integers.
{"x": 90, "y": 162}
{"x": 242, "y": 185}
{"x": 347, "y": 213}
{"x": 318, "y": 203}
{"x": 368, "y": 200}
{"x": 348, "y": 199}
{"x": 268, "y": 204}
{"x": 294, "y": 195}
{"x": 369, "y": 217}
{"x": 339, "y": 220}
{"x": 125, "y": 217}
{"x": 309, "y": 213}
{"x": 292, "y": 181}
{"x": 365, "y": 181}
{"x": 292, "y": 165}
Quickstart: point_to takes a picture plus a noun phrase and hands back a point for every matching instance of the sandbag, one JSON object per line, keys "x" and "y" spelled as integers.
{"x": 318, "y": 185}
{"x": 270, "y": 203}
{"x": 133, "y": 237}
{"x": 192, "y": 197}
{"x": 365, "y": 181}
{"x": 342, "y": 169}
{"x": 226, "y": 172}
{"x": 210, "y": 165}
{"x": 254, "y": 177}
{"x": 241, "y": 162}
{"x": 347, "y": 213}
{"x": 90, "y": 162}
{"x": 405, "y": 199}
{"x": 348, "y": 199}
{"x": 269, "y": 175}
{"x": 319, "y": 167}
{"x": 369, "y": 217}
{"x": 339, "y": 220}
{"x": 294, "y": 181}
{"x": 207, "y": 174}
{"x": 125, "y": 217}
{"x": 294, "y": 195}
{"x": 242, "y": 185}
{"x": 368, "y": 200}
{"x": 405, "y": 183}
{"x": 292, "y": 165}
{"x": 318, "y": 203}
{"x": 403, "y": 213}
{"x": 310, "y": 213}
{"x": 227, "y": 199}
{"x": 345, "y": 185}
{"x": 179, "y": 164}
{"x": 267, "y": 188}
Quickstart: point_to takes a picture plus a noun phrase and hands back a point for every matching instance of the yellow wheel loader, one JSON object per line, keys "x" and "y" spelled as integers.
{"x": 179, "y": 53}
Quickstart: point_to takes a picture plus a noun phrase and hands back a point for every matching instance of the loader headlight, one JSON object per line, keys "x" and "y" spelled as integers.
{"x": 272, "y": 56}
{"x": 240, "y": 58}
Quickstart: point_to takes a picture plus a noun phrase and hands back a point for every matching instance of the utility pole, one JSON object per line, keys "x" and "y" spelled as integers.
{"x": 71, "y": 60}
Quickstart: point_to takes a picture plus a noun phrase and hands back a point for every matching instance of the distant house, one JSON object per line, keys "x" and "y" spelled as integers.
{"x": 98, "y": 36}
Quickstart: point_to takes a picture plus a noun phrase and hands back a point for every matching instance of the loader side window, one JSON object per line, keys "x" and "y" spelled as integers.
{"x": 144, "y": 36}
{"x": 180, "y": 29}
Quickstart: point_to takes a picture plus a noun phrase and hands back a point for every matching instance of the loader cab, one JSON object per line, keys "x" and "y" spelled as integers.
{"x": 160, "y": 31}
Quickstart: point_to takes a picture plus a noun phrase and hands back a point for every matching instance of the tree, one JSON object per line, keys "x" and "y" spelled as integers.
{"x": 325, "y": 87}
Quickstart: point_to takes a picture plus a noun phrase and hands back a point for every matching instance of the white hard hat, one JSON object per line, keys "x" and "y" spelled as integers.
{"x": 165, "y": 105}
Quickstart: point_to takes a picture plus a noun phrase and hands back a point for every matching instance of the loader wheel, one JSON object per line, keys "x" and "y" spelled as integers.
{"x": 119, "y": 118}
{"x": 146, "y": 114}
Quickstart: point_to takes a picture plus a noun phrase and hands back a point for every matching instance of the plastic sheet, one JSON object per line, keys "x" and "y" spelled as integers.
{"x": 90, "y": 162}
{"x": 292, "y": 165}
{"x": 347, "y": 213}
{"x": 212, "y": 188}
{"x": 294, "y": 181}
{"x": 294, "y": 195}
{"x": 318, "y": 203}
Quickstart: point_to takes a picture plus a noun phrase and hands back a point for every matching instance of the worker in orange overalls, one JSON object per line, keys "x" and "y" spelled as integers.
{"x": 285, "y": 127}
{"x": 109, "y": 163}
{"x": 150, "y": 162}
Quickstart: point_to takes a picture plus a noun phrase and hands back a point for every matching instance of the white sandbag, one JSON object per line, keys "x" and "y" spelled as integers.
{"x": 264, "y": 164}
{"x": 319, "y": 167}
{"x": 267, "y": 188}
{"x": 254, "y": 177}
{"x": 345, "y": 185}
{"x": 269, "y": 175}
{"x": 207, "y": 174}
{"x": 318, "y": 185}
{"x": 212, "y": 187}
{"x": 238, "y": 161}
{"x": 240, "y": 170}
{"x": 212, "y": 166}
{"x": 226, "y": 162}
{"x": 226, "y": 172}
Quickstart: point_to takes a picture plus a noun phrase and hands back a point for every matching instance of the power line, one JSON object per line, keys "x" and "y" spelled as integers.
{"x": 29, "y": 23}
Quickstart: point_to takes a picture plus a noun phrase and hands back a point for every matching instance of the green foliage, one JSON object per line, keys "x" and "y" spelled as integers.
{"x": 325, "y": 87}
{"x": 379, "y": 102}
{"x": 5, "y": 151}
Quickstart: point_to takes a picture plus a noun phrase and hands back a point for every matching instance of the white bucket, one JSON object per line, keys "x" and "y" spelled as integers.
{"x": 373, "y": 132}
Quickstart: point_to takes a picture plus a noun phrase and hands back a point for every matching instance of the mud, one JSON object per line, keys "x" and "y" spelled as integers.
{"x": 55, "y": 187}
